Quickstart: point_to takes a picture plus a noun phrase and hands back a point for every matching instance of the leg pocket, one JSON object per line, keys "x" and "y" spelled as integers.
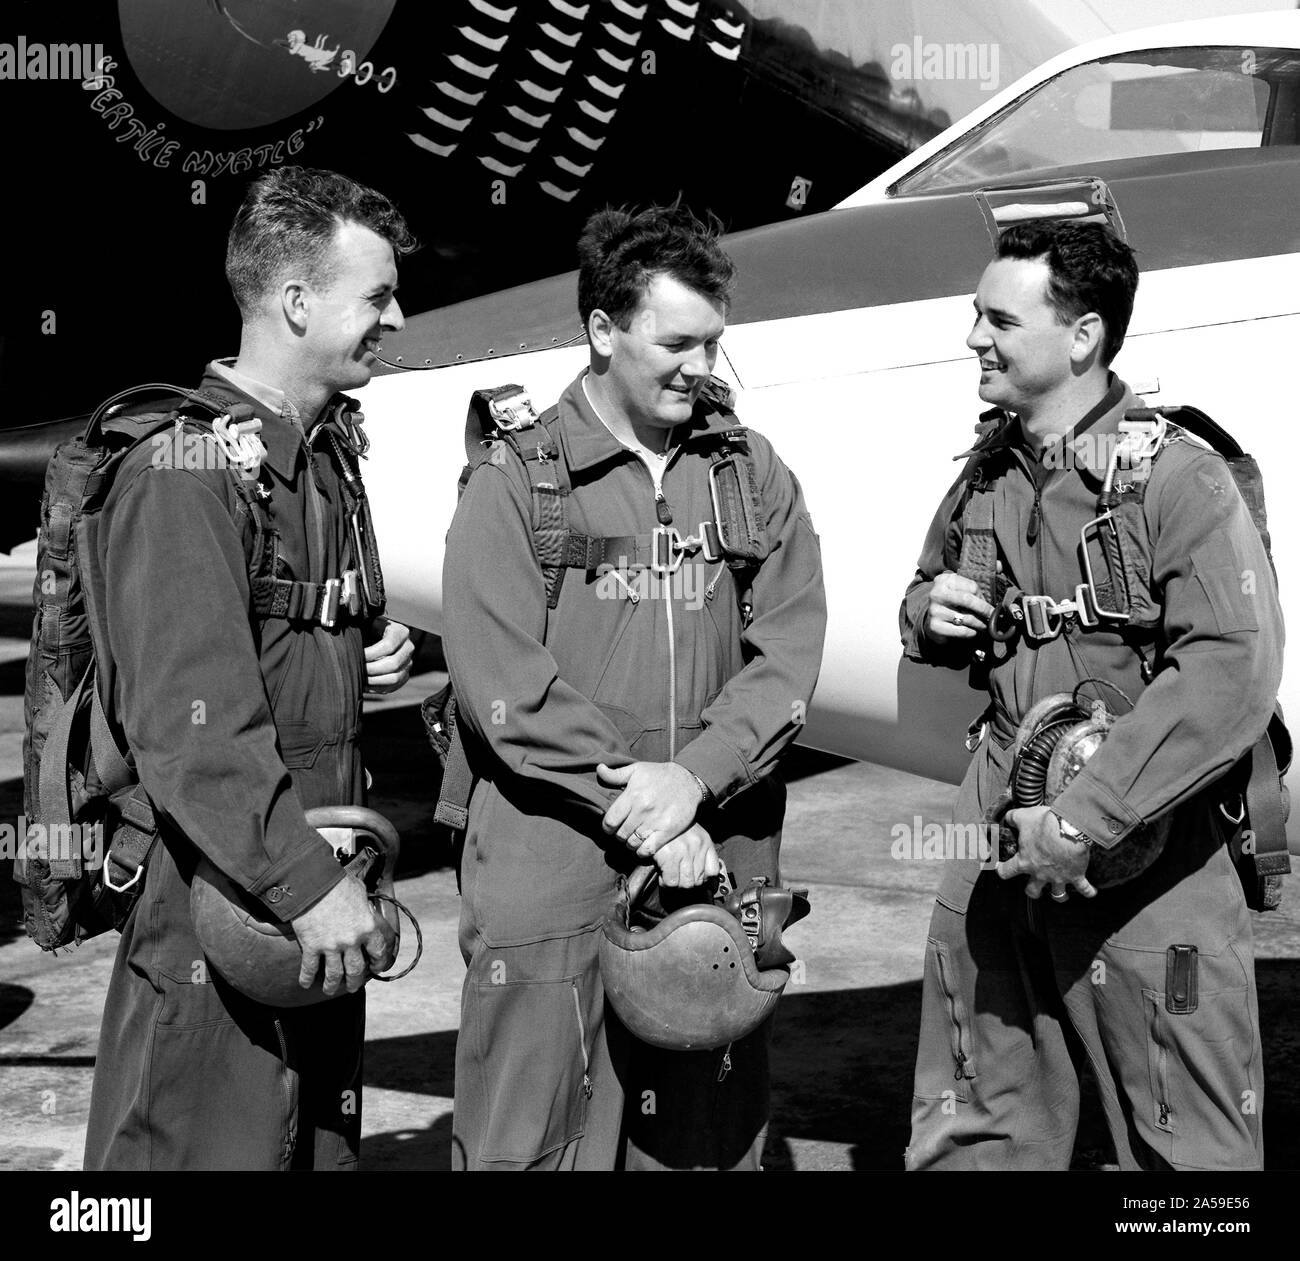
{"x": 534, "y": 1050}
{"x": 217, "y": 1096}
{"x": 1204, "y": 1069}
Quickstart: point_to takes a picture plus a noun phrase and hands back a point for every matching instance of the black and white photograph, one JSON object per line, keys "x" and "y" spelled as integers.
{"x": 685, "y": 585}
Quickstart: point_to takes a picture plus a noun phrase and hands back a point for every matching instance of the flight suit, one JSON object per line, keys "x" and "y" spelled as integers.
{"x": 1017, "y": 993}
{"x": 238, "y": 725}
{"x": 621, "y": 670}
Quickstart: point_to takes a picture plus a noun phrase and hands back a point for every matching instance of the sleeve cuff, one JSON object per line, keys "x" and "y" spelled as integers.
{"x": 1096, "y": 811}
{"x": 297, "y": 883}
{"x": 716, "y": 765}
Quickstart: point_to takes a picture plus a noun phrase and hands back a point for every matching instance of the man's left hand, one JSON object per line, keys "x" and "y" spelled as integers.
{"x": 388, "y": 659}
{"x": 1045, "y": 856}
{"x": 658, "y": 803}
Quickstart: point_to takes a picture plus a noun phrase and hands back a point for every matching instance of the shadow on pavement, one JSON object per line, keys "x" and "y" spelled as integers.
{"x": 14, "y": 1000}
{"x": 429, "y": 1148}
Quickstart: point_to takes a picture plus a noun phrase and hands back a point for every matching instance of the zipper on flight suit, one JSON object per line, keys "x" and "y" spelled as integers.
{"x": 662, "y": 511}
{"x": 1159, "y": 1054}
{"x": 959, "y": 1047}
{"x": 291, "y": 1110}
{"x": 582, "y": 1041}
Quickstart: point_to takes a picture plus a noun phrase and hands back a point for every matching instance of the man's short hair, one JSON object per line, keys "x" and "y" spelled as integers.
{"x": 620, "y": 253}
{"x": 1091, "y": 270}
{"x": 287, "y": 222}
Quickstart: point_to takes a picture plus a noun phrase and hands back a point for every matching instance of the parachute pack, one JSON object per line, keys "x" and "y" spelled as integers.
{"x": 90, "y": 823}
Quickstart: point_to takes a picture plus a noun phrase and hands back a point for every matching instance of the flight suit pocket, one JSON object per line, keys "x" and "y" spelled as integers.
{"x": 216, "y": 1099}
{"x": 300, "y": 744}
{"x": 1205, "y": 1098}
{"x": 534, "y": 1048}
{"x": 1225, "y": 584}
{"x": 630, "y": 727}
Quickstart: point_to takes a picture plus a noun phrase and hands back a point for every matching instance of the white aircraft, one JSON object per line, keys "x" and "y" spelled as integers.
{"x": 847, "y": 339}
{"x": 846, "y": 343}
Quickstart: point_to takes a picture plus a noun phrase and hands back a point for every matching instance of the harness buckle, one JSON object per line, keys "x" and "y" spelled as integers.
{"x": 329, "y": 602}
{"x": 1107, "y": 518}
{"x": 1040, "y": 610}
{"x": 666, "y": 550}
{"x": 513, "y": 411}
{"x": 351, "y": 592}
{"x": 1085, "y": 606}
{"x": 710, "y": 542}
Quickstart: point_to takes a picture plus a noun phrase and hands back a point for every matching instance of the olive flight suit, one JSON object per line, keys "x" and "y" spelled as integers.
{"x": 624, "y": 669}
{"x": 1017, "y": 992}
{"x": 237, "y": 725}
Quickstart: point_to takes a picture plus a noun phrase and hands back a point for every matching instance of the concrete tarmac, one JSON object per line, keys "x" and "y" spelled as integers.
{"x": 846, "y": 1031}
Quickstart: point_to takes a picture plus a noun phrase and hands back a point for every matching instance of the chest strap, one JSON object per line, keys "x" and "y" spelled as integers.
{"x": 737, "y": 534}
{"x": 359, "y": 590}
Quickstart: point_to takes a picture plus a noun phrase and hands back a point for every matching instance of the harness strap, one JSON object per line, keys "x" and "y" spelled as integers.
{"x": 319, "y": 602}
{"x": 979, "y": 546}
{"x": 132, "y": 841}
{"x": 55, "y": 806}
{"x": 452, "y": 809}
{"x": 1265, "y": 812}
{"x": 114, "y": 771}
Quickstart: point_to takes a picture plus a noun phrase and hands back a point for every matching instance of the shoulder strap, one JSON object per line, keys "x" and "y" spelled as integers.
{"x": 1243, "y": 467}
{"x": 505, "y": 418}
{"x": 979, "y": 548}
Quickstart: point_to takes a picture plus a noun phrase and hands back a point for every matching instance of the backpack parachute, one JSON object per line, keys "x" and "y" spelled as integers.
{"x": 90, "y": 824}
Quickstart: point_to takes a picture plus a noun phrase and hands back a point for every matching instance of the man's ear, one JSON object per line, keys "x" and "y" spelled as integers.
{"x": 1089, "y": 336}
{"x": 295, "y": 302}
{"x": 600, "y": 333}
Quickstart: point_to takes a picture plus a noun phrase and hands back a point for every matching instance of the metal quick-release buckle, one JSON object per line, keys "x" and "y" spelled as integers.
{"x": 351, "y": 594}
{"x": 1106, "y": 519}
{"x": 1045, "y": 618}
{"x": 513, "y": 411}
{"x": 345, "y": 591}
{"x": 329, "y": 602}
{"x": 669, "y": 548}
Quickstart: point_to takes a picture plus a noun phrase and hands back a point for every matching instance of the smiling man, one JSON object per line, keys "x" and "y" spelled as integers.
{"x": 1148, "y": 979}
{"x": 238, "y": 692}
{"x": 613, "y": 716}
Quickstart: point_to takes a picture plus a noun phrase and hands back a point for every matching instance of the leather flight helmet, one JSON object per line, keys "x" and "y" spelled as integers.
{"x": 693, "y": 981}
{"x": 258, "y": 954}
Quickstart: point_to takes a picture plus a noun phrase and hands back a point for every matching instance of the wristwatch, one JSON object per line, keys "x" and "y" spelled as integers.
{"x": 1071, "y": 833}
{"x": 705, "y": 795}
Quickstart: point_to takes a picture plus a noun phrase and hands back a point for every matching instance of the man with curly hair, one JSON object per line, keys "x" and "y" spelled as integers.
{"x": 639, "y": 716}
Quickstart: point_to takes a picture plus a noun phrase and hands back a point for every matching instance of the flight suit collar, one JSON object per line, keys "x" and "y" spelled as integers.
{"x": 1088, "y": 455}
{"x": 282, "y": 428}
{"x": 587, "y": 441}
{"x": 1078, "y": 446}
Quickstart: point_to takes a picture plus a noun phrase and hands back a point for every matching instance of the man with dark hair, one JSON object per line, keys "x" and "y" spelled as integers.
{"x": 1148, "y": 977}
{"x": 240, "y": 702}
{"x": 635, "y": 708}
